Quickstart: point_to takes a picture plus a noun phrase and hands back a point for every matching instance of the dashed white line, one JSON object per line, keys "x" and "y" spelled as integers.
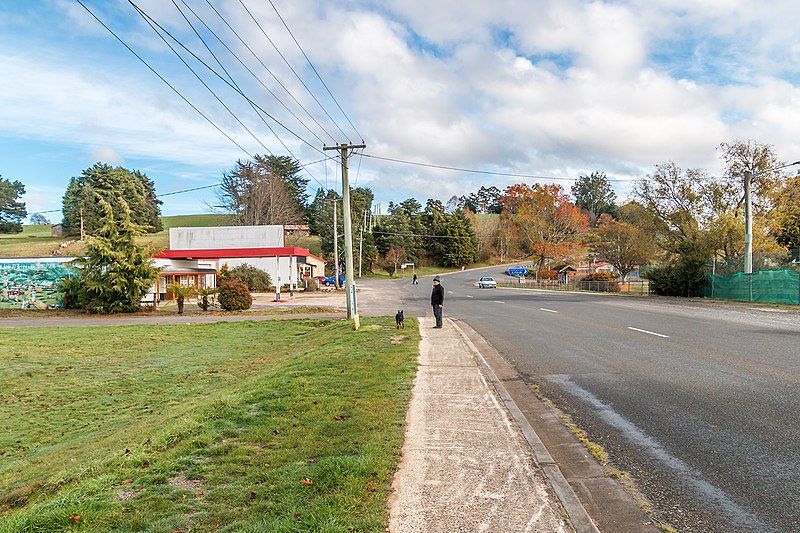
{"x": 649, "y": 332}
{"x": 498, "y": 302}
{"x": 449, "y": 292}
{"x": 468, "y": 296}
{"x": 547, "y": 310}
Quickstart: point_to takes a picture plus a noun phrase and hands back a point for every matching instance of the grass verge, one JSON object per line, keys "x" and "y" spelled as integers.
{"x": 250, "y": 426}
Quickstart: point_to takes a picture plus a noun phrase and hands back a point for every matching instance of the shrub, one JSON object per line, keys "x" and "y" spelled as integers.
{"x": 71, "y": 287}
{"x": 600, "y": 282}
{"x": 311, "y": 285}
{"x": 234, "y": 295}
{"x": 205, "y": 298}
{"x": 687, "y": 277}
{"x": 256, "y": 279}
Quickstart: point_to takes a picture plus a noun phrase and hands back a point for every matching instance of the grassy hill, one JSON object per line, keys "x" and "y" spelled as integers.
{"x": 36, "y": 241}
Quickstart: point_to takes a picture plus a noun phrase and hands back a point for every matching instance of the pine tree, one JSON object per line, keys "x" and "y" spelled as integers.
{"x": 460, "y": 248}
{"x": 112, "y": 184}
{"x": 116, "y": 272}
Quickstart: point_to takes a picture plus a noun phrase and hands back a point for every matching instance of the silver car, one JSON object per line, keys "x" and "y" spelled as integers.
{"x": 487, "y": 282}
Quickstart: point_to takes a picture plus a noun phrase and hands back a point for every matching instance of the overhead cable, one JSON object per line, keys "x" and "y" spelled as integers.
{"x": 315, "y": 70}
{"x": 294, "y": 71}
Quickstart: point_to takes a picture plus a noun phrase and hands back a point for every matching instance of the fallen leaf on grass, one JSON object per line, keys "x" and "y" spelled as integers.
{"x": 306, "y": 482}
{"x": 75, "y": 517}
{"x": 127, "y": 481}
{"x": 253, "y": 495}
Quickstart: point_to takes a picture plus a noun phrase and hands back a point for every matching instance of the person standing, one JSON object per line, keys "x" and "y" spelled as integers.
{"x": 437, "y": 301}
{"x": 414, "y": 280}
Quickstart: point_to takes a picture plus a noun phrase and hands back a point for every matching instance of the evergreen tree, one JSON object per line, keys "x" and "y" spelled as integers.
{"x": 12, "y": 211}
{"x": 289, "y": 170}
{"x": 116, "y": 272}
{"x": 460, "y": 248}
{"x": 114, "y": 185}
{"x": 594, "y": 195}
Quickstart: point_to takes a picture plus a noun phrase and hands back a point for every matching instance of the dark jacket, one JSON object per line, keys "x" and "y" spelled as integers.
{"x": 437, "y": 295}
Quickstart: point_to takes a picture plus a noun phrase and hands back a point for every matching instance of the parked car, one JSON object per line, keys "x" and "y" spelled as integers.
{"x": 330, "y": 280}
{"x": 487, "y": 282}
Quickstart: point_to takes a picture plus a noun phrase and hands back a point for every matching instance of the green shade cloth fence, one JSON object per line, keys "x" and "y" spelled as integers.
{"x": 768, "y": 286}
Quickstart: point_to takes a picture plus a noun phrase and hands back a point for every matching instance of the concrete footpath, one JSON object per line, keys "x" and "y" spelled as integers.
{"x": 466, "y": 466}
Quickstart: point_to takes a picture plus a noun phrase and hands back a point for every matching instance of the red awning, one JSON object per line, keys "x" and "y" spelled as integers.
{"x": 233, "y": 253}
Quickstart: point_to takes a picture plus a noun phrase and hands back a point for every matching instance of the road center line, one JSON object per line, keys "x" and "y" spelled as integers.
{"x": 498, "y": 302}
{"x": 547, "y": 310}
{"x": 649, "y": 332}
{"x": 468, "y": 296}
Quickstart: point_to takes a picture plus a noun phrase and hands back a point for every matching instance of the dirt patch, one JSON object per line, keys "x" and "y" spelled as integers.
{"x": 398, "y": 339}
{"x": 182, "y": 482}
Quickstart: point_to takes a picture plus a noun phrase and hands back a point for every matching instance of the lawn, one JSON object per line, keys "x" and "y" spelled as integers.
{"x": 254, "y": 426}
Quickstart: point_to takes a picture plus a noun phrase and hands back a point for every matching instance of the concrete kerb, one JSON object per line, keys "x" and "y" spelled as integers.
{"x": 578, "y": 516}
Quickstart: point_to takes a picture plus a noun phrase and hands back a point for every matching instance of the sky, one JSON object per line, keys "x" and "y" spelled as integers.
{"x": 547, "y": 88}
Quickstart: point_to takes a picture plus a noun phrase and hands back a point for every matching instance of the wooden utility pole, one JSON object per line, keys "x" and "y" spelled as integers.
{"x": 82, "y": 234}
{"x": 361, "y": 243}
{"x": 335, "y": 247}
{"x": 350, "y": 285}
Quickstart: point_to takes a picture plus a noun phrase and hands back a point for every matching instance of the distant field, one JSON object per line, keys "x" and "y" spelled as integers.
{"x": 35, "y": 240}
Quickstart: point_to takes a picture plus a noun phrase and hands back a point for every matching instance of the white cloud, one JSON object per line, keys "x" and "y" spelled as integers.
{"x": 552, "y": 88}
{"x": 106, "y": 154}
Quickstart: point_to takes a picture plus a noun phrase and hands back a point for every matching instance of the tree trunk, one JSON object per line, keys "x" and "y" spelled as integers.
{"x": 180, "y": 305}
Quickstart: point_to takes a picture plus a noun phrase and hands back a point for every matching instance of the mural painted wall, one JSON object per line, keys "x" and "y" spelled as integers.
{"x": 31, "y": 283}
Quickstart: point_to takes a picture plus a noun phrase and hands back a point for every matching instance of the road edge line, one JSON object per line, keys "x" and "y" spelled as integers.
{"x": 577, "y": 514}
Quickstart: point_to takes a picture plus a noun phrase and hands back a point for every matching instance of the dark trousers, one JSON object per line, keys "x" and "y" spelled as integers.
{"x": 437, "y": 312}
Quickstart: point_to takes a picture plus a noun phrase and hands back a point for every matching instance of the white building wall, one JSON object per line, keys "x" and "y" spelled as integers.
{"x": 226, "y": 237}
{"x": 269, "y": 265}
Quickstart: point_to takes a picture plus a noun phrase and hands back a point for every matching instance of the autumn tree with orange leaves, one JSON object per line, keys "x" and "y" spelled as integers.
{"x": 549, "y": 225}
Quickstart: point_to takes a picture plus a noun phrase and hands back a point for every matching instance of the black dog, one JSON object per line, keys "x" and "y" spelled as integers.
{"x": 400, "y": 320}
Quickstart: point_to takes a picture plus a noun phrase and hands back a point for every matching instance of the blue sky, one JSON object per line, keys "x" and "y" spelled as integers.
{"x": 545, "y": 88}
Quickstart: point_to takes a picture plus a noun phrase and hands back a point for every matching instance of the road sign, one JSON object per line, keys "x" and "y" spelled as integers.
{"x": 517, "y": 271}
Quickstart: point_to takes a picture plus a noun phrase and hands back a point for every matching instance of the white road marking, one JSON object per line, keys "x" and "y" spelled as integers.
{"x": 468, "y": 296}
{"x": 637, "y": 436}
{"x": 498, "y": 302}
{"x": 649, "y": 332}
{"x": 449, "y": 292}
{"x": 547, "y": 310}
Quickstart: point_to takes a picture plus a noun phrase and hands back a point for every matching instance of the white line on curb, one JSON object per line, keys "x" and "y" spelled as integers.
{"x": 547, "y": 310}
{"x": 649, "y": 332}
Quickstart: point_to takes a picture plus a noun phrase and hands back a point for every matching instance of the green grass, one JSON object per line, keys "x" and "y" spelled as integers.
{"x": 254, "y": 426}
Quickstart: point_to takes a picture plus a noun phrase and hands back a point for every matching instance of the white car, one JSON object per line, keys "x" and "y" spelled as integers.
{"x": 487, "y": 282}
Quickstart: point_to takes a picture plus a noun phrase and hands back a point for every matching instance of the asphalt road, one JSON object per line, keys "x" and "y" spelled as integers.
{"x": 700, "y": 403}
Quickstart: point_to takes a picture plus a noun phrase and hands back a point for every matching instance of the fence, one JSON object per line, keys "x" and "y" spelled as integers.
{"x": 767, "y": 286}
{"x": 641, "y": 287}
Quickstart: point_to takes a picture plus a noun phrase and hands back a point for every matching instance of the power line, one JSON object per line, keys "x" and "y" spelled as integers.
{"x": 176, "y": 91}
{"x": 421, "y": 235}
{"x": 248, "y": 69}
{"x": 476, "y": 171}
{"x": 315, "y": 70}
{"x": 249, "y": 49}
{"x": 237, "y": 86}
{"x": 218, "y": 75}
{"x": 294, "y": 72}
{"x": 196, "y": 75}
